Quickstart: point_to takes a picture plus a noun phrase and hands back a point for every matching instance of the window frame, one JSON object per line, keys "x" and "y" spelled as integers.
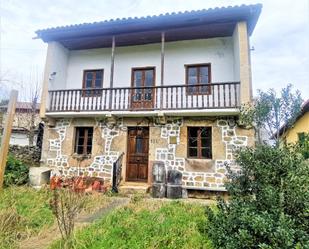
{"x": 199, "y": 142}
{"x": 85, "y": 94}
{"x": 199, "y": 91}
{"x": 85, "y": 142}
{"x": 143, "y": 69}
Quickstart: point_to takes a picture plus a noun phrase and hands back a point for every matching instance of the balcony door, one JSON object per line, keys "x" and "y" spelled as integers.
{"x": 143, "y": 98}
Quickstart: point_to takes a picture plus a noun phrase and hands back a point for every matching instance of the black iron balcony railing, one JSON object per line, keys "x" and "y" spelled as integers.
{"x": 173, "y": 97}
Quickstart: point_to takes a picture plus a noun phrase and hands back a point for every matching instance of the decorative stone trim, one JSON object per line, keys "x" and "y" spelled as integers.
{"x": 231, "y": 140}
{"x": 60, "y": 162}
{"x": 190, "y": 179}
{"x": 100, "y": 167}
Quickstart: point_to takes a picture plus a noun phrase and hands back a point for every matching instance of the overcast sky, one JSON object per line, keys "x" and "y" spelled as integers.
{"x": 280, "y": 39}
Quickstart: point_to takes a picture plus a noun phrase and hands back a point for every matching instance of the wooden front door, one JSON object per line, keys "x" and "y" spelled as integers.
{"x": 143, "y": 98}
{"x": 137, "y": 156}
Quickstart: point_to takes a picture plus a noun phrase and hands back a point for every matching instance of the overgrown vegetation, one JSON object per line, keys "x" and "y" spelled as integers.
{"x": 16, "y": 173}
{"x": 24, "y": 211}
{"x": 269, "y": 205}
{"x": 304, "y": 145}
{"x": 66, "y": 205}
{"x": 271, "y": 111}
{"x": 146, "y": 224}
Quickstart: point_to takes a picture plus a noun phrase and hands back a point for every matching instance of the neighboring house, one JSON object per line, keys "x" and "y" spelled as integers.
{"x": 163, "y": 88}
{"x": 295, "y": 132}
{"x": 22, "y": 122}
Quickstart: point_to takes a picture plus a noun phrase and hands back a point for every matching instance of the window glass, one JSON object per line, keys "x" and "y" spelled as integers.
{"x": 89, "y": 79}
{"x": 199, "y": 142}
{"x": 204, "y": 75}
{"x": 149, "y": 77}
{"x": 205, "y": 142}
{"x": 205, "y": 153}
{"x": 192, "y": 75}
{"x": 196, "y": 75}
{"x": 139, "y": 144}
{"x": 137, "y": 78}
{"x": 98, "y": 79}
{"x": 192, "y": 141}
{"x": 205, "y": 132}
{"x": 149, "y": 81}
{"x": 83, "y": 140}
{"x": 193, "y": 152}
{"x": 93, "y": 79}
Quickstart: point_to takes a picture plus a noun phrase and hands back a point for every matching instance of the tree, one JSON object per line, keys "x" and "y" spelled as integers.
{"x": 271, "y": 112}
{"x": 34, "y": 96}
{"x": 29, "y": 90}
{"x": 269, "y": 202}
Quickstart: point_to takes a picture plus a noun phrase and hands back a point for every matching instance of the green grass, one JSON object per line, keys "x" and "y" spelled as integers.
{"x": 24, "y": 211}
{"x": 32, "y": 205}
{"x": 146, "y": 224}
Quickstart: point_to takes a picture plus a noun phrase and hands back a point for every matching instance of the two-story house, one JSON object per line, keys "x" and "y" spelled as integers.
{"x": 140, "y": 90}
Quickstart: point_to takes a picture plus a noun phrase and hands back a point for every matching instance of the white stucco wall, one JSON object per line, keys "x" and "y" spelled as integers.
{"x": 20, "y": 139}
{"x": 217, "y": 51}
{"x": 59, "y": 62}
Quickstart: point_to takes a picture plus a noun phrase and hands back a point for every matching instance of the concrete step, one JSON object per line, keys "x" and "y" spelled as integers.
{"x": 129, "y": 188}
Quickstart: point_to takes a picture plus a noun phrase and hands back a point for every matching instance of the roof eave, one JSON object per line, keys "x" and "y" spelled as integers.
{"x": 249, "y": 13}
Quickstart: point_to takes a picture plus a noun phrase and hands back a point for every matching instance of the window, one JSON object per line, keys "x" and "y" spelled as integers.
{"x": 143, "y": 77}
{"x": 199, "y": 142}
{"x": 83, "y": 140}
{"x": 92, "y": 79}
{"x": 196, "y": 75}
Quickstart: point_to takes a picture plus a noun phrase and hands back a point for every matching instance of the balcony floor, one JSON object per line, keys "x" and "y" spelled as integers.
{"x": 182, "y": 113}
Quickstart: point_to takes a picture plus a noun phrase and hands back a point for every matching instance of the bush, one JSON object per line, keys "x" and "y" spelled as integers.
{"x": 66, "y": 205}
{"x": 269, "y": 204}
{"x": 304, "y": 145}
{"x": 16, "y": 173}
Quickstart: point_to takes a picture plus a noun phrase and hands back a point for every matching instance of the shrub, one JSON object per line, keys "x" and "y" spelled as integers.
{"x": 66, "y": 205}
{"x": 16, "y": 173}
{"x": 269, "y": 204}
{"x": 304, "y": 145}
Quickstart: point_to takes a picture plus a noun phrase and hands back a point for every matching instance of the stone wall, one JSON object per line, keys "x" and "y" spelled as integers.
{"x": 167, "y": 143}
{"x": 29, "y": 155}
{"x": 58, "y": 152}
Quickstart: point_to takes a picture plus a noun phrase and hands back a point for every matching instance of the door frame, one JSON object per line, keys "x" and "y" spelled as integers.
{"x": 154, "y": 83}
{"x": 127, "y": 155}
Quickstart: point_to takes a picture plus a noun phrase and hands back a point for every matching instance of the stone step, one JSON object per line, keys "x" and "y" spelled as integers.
{"x": 129, "y": 188}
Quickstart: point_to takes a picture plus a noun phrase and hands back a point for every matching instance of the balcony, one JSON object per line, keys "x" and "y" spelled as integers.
{"x": 154, "y": 98}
